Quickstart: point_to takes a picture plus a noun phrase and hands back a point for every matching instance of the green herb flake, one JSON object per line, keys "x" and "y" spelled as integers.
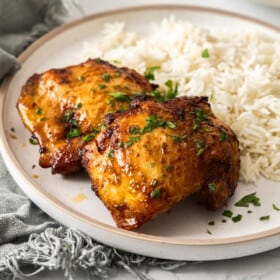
{"x": 90, "y": 136}
{"x": 38, "y": 111}
{"x": 106, "y": 77}
{"x": 249, "y": 212}
{"x": 134, "y": 130}
{"x": 154, "y": 182}
{"x": 172, "y": 91}
{"x": 211, "y": 186}
{"x": 128, "y": 144}
{"x": 103, "y": 127}
{"x": 205, "y": 53}
{"x": 155, "y": 193}
{"x": 237, "y": 218}
{"x": 212, "y": 223}
{"x": 227, "y": 213}
{"x": 208, "y": 231}
{"x": 43, "y": 119}
{"x": 68, "y": 115}
{"x": 168, "y": 167}
{"x": 79, "y": 105}
{"x": 33, "y": 140}
{"x": 150, "y": 72}
{"x": 222, "y": 136}
{"x": 111, "y": 154}
{"x": 178, "y": 138}
{"x": 170, "y": 124}
{"x": 224, "y": 220}
{"x": 200, "y": 152}
{"x": 81, "y": 78}
{"x": 134, "y": 139}
{"x": 13, "y": 130}
{"x": 275, "y": 207}
{"x": 152, "y": 164}
{"x": 102, "y": 86}
{"x": 265, "y": 218}
{"x": 73, "y": 132}
{"x": 248, "y": 199}
{"x": 120, "y": 96}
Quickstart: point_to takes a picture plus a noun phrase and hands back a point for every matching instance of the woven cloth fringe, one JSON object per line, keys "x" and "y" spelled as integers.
{"x": 70, "y": 250}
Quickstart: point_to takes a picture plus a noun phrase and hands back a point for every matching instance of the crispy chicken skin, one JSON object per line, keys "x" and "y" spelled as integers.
{"x": 61, "y": 107}
{"x": 157, "y": 153}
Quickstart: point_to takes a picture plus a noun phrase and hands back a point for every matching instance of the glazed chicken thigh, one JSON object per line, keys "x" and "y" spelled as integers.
{"x": 155, "y": 154}
{"x": 62, "y": 108}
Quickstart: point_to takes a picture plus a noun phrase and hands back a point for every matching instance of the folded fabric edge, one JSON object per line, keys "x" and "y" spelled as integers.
{"x": 8, "y": 63}
{"x": 70, "y": 250}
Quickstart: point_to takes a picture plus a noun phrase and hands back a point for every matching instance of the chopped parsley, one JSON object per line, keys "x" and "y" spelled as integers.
{"x": 13, "y": 130}
{"x": 205, "y": 53}
{"x": 111, "y": 154}
{"x": 200, "y": 147}
{"x": 212, "y": 223}
{"x": 177, "y": 138}
{"x": 120, "y": 96}
{"x": 81, "y": 78}
{"x": 90, "y": 136}
{"x": 33, "y": 140}
{"x": 68, "y": 115}
{"x": 79, "y": 105}
{"x": 275, "y": 207}
{"x": 170, "y": 124}
{"x": 236, "y": 218}
{"x": 103, "y": 127}
{"x": 73, "y": 132}
{"x": 154, "y": 182}
{"x": 43, "y": 119}
{"x": 102, "y": 86}
{"x": 106, "y": 77}
{"x": 227, "y": 213}
{"x": 222, "y": 136}
{"x": 200, "y": 116}
{"x": 172, "y": 91}
{"x": 248, "y": 199}
{"x": 168, "y": 167}
{"x": 152, "y": 164}
{"x": 155, "y": 193}
{"x": 211, "y": 186}
{"x": 264, "y": 218}
{"x": 38, "y": 111}
{"x": 150, "y": 72}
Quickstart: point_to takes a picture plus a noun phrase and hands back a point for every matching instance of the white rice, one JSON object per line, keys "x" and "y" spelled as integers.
{"x": 241, "y": 77}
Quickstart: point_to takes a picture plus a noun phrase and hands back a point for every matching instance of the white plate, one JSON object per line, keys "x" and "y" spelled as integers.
{"x": 182, "y": 234}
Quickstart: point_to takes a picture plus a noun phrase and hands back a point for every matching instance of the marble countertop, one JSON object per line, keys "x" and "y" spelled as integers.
{"x": 262, "y": 266}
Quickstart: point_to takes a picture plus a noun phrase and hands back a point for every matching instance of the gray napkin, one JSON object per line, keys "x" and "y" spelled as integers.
{"x": 27, "y": 235}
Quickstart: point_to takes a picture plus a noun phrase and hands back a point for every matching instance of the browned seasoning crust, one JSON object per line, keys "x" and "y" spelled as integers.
{"x": 71, "y": 101}
{"x": 156, "y": 154}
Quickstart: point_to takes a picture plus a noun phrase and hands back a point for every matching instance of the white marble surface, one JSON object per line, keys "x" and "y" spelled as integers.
{"x": 264, "y": 266}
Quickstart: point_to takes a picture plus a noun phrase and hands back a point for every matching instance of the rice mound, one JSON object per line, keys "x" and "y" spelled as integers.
{"x": 241, "y": 77}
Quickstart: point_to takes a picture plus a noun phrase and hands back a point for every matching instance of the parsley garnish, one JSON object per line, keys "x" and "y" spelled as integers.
{"x": 212, "y": 223}
{"x": 211, "y": 186}
{"x": 33, "y": 140}
{"x": 236, "y": 218}
{"x": 79, "y": 105}
{"x": 172, "y": 91}
{"x": 81, "y": 78}
{"x": 150, "y": 72}
{"x": 43, "y": 119}
{"x": 73, "y": 132}
{"x": 265, "y": 218}
{"x": 155, "y": 193}
{"x": 275, "y": 207}
{"x": 200, "y": 116}
{"x": 38, "y": 111}
{"x": 247, "y": 199}
{"x": 205, "y": 53}
{"x": 111, "y": 154}
{"x": 102, "y": 86}
{"x": 120, "y": 96}
{"x": 152, "y": 164}
{"x": 227, "y": 213}
{"x": 106, "y": 77}
{"x": 168, "y": 167}
{"x": 90, "y": 136}
{"x": 222, "y": 136}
